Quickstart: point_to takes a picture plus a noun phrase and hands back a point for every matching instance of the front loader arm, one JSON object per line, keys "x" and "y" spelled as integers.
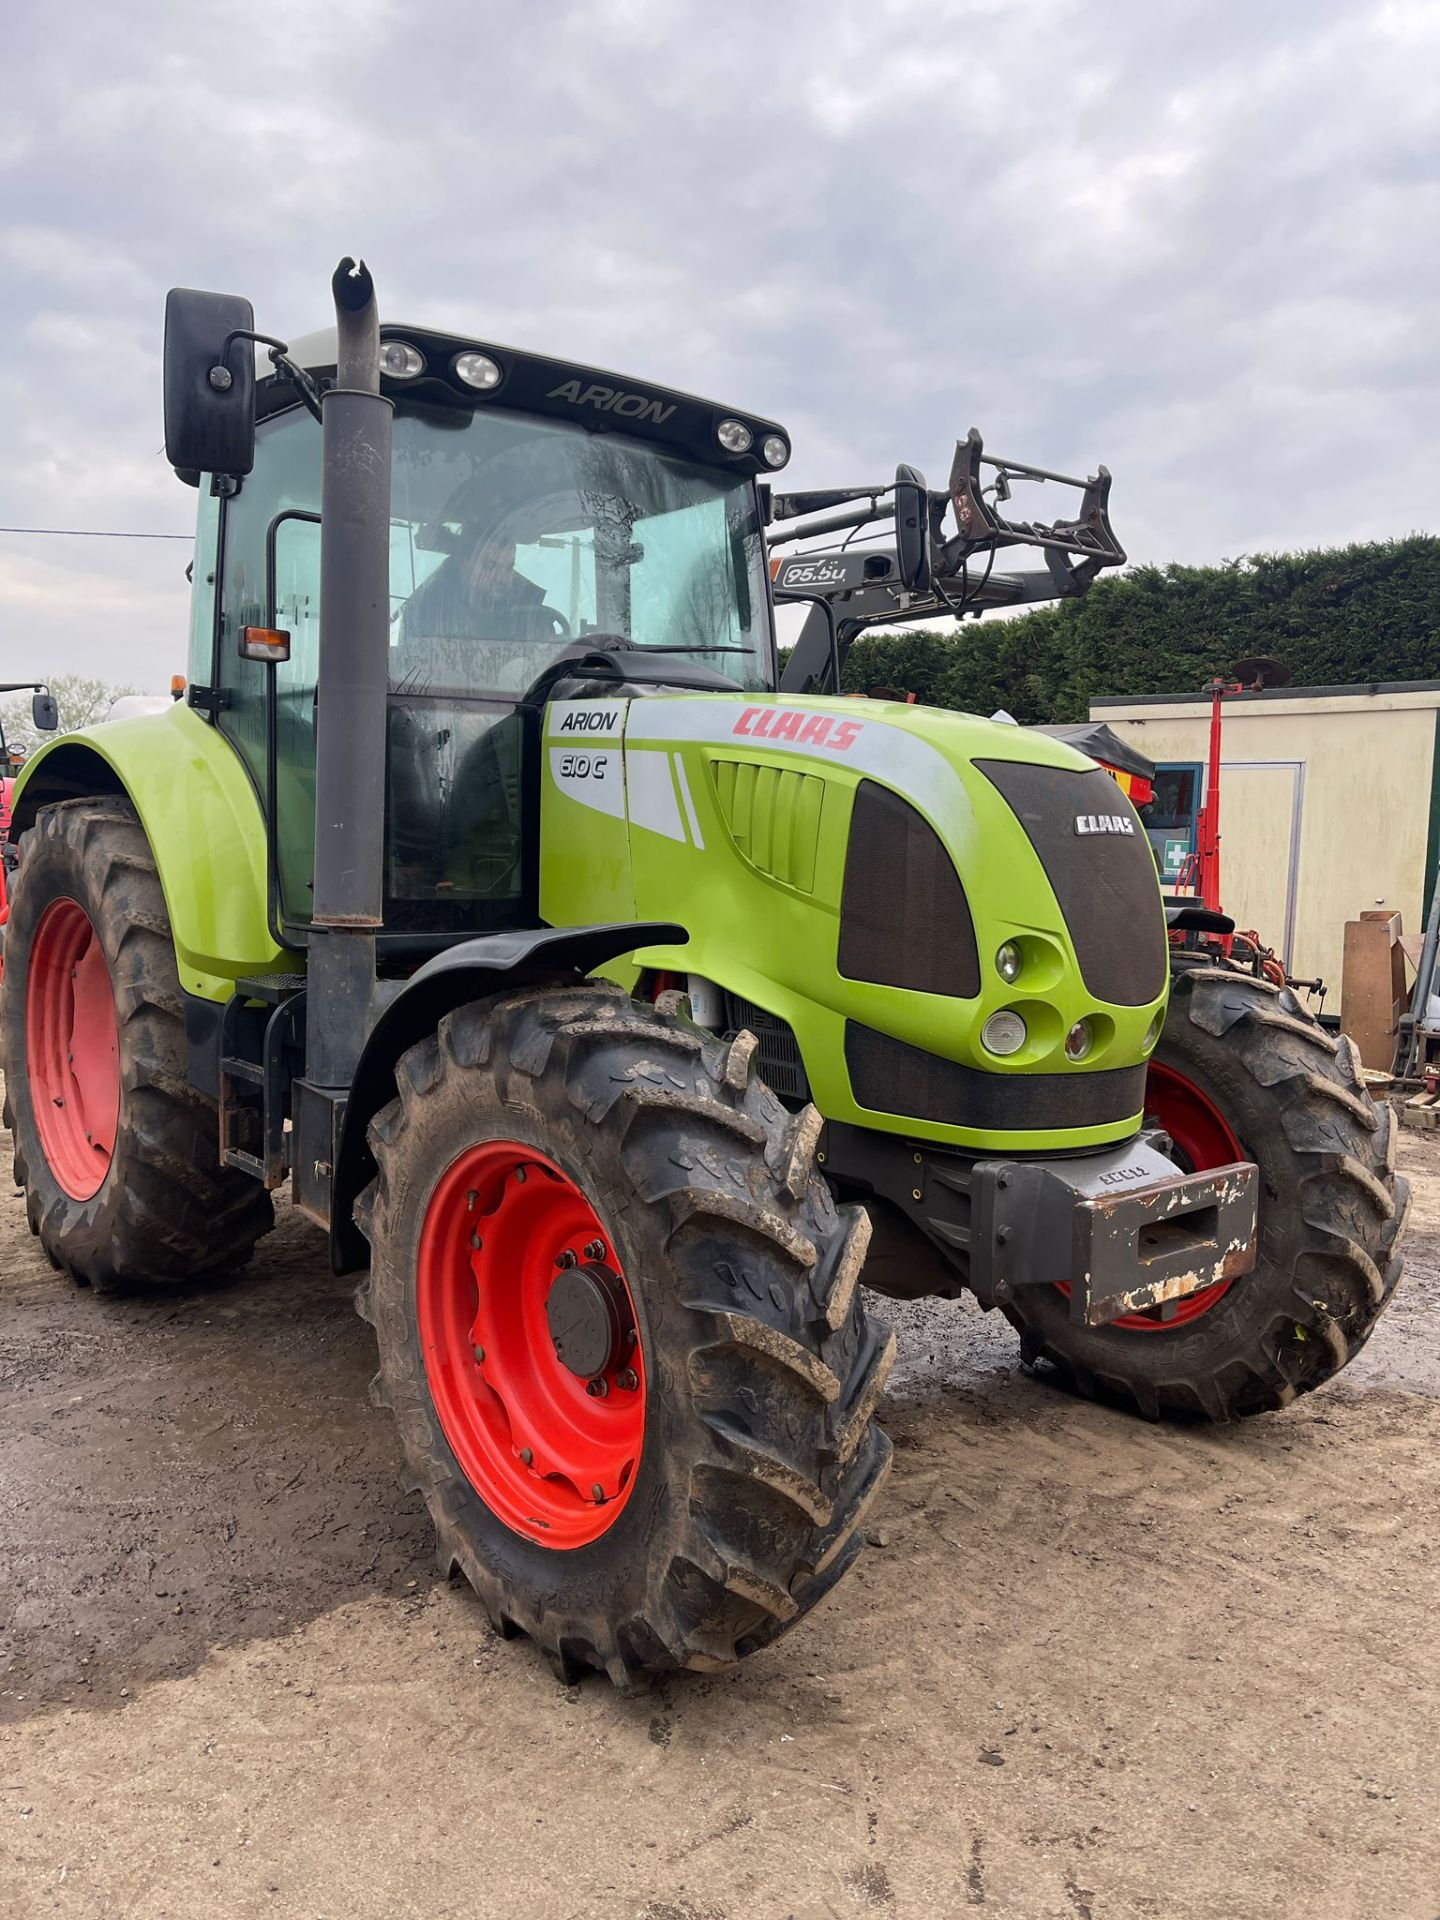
{"x": 862, "y": 587}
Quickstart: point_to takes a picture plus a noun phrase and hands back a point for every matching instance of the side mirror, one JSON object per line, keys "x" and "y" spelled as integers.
{"x": 44, "y": 713}
{"x": 209, "y": 383}
{"x": 912, "y": 529}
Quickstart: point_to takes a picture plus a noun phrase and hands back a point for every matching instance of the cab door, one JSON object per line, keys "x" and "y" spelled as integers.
{"x": 452, "y": 787}
{"x": 268, "y": 711}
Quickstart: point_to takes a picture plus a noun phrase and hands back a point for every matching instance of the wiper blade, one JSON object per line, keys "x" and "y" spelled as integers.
{"x": 622, "y": 643}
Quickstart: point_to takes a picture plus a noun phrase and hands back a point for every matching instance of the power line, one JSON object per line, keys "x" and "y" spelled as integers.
{"x": 95, "y": 533}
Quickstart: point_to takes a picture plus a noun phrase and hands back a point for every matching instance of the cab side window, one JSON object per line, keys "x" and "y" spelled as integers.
{"x": 451, "y": 785}
{"x": 285, "y": 482}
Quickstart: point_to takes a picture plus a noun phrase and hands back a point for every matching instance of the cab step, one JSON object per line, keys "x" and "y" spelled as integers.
{"x": 262, "y": 1049}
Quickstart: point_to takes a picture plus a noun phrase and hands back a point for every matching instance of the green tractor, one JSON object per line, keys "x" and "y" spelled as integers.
{"x": 601, "y": 999}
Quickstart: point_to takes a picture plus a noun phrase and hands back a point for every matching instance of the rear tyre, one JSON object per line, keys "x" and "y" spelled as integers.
{"x": 117, "y": 1152}
{"x": 566, "y": 1168}
{"x": 1243, "y": 1071}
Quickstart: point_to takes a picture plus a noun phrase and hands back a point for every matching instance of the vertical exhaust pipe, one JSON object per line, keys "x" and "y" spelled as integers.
{"x": 354, "y": 670}
{"x": 354, "y": 616}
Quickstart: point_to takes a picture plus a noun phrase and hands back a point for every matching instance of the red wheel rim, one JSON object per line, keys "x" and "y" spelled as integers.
{"x": 1203, "y": 1138}
{"x": 552, "y": 1453}
{"x": 72, "y": 1049}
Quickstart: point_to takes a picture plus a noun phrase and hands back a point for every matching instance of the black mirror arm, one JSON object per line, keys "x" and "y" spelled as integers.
{"x": 249, "y": 333}
{"x": 220, "y": 375}
{"x": 298, "y": 378}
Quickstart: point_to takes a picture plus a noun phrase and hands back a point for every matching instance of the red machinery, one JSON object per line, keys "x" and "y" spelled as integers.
{"x": 1126, "y": 765}
{"x": 1201, "y": 871}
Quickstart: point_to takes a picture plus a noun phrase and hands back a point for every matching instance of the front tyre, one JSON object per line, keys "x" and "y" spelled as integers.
{"x": 117, "y": 1152}
{"x": 1243, "y": 1071}
{"x": 620, "y": 1330}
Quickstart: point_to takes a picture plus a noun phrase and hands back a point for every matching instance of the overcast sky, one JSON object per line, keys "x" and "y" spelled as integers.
{"x": 1196, "y": 242}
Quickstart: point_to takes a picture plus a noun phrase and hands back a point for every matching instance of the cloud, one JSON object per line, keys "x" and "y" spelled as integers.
{"x": 1190, "y": 241}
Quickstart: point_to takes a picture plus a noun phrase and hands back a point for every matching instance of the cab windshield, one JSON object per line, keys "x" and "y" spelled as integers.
{"x": 511, "y": 537}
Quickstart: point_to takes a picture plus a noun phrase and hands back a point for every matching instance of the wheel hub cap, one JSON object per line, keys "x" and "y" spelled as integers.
{"x": 585, "y": 1316}
{"x": 530, "y": 1344}
{"x": 72, "y": 1049}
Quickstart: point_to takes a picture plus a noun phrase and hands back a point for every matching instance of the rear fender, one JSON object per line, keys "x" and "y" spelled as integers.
{"x": 475, "y": 970}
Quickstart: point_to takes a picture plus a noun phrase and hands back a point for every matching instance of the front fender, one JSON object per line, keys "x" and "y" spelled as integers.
{"x": 203, "y": 821}
{"x": 471, "y": 971}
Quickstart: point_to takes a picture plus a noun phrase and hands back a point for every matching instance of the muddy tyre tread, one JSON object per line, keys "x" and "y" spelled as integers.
{"x": 168, "y": 1213}
{"x": 762, "y": 1411}
{"x": 1332, "y": 1213}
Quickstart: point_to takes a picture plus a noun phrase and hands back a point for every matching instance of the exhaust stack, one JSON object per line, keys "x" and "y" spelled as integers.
{"x": 354, "y": 617}
{"x": 354, "y": 668}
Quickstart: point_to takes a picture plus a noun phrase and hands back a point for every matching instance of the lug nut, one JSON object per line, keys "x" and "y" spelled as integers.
{"x": 476, "y": 1242}
{"x": 526, "y": 1456}
{"x": 597, "y": 1389}
{"x": 520, "y": 1176}
{"x": 598, "y": 1494}
{"x": 565, "y": 1259}
{"x": 479, "y": 1353}
{"x": 627, "y": 1379}
{"x": 595, "y": 1250}
{"x": 470, "y": 1200}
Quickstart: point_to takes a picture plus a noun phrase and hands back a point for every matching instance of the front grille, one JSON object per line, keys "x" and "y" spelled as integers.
{"x": 890, "y": 1076}
{"x": 778, "y": 1056}
{"x": 1106, "y": 883}
{"x": 904, "y": 918}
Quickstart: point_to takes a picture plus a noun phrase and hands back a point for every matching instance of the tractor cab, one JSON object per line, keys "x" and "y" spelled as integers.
{"x": 542, "y": 519}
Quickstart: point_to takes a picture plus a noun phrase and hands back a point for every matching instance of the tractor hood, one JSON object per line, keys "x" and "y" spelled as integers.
{"x": 854, "y": 869}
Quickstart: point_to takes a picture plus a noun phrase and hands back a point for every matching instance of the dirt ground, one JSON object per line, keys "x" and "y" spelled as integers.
{"x": 1092, "y": 1668}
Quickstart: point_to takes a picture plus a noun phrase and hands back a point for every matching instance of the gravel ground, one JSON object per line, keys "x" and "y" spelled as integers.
{"x": 1091, "y": 1668}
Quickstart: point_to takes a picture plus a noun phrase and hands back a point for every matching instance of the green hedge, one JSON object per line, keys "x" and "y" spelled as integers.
{"x": 1336, "y": 616}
